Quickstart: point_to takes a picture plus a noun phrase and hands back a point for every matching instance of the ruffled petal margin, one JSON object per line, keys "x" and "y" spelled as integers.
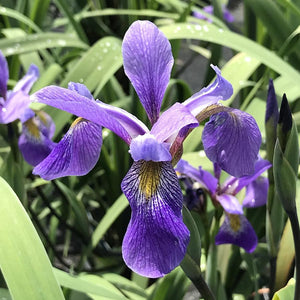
{"x": 156, "y": 238}
{"x": 76, "y": 154}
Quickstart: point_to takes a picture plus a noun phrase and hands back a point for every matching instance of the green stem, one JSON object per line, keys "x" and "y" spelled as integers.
{"x": 193, "y": 272}
{"x": 296, "y": 234}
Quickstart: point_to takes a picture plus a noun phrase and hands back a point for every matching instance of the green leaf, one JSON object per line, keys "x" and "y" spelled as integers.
{"x": 4, "y": 294}
{"x": 211, "y": 33}
{"x": 111, "y": 215}
{"x": 97, "y": 65}
{"x": 34, "y": 42}
{"x": 287, "y": 292}
{"x": 23, "y": 259}
{"x": 88, "y": 284}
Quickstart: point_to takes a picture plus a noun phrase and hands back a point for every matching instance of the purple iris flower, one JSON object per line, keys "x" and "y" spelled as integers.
{"x": 236, "y": 229}
{"x": 156, "y": 237}
{"x": 210, "y": 10}
{"x": 37, "y": 127}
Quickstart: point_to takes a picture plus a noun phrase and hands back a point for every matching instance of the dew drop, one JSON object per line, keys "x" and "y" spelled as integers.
{"x": 4, "y": 109}
{"x": 99, "y": 68}
{"x": 81, "y": 80}
{"x": 198, "y": 27}
{"x": 206, "y": 29}
{"x": 62, "y": 42}
{"x": 105, "y": 50}
{"x": 107, "y": 44}
{"x": 247, "y": 59}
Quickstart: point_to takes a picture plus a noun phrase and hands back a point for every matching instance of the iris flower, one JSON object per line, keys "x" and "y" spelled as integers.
{"x": 156, "y": 238}
{"x": 227, "y": 16}
{"x": 236, "y": 229}
{"x": 37, "y": 127}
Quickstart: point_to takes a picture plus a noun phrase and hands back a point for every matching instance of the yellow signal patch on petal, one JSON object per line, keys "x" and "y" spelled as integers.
{"x": 235, "y": 222}
{"x": 32, "y": 128}
{"x": 150, "y": 174}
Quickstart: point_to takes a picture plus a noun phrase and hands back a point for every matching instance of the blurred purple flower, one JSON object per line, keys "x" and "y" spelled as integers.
{"x": 235, "y": 229}
{"x": 37, "y": 128}
{"x": 227, "y": 16}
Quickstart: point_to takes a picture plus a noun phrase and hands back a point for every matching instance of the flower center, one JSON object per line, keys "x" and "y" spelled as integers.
{"x": 235, "y": 222}
{"x": 149, "y": 178}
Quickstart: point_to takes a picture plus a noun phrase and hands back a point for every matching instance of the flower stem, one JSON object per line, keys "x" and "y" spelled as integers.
{"x": 193, "y": 272}
{"x": 296, "y": 233}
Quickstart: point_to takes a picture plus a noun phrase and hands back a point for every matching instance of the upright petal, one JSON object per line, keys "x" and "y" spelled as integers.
{"x": 34, "y": 142}
{"x": 156, "y": 238}
{"x": 4, "y": 75}
{"x": 146, "y": 147}
{"x": 116, "y": 119}
{"x": 28, "y": 80}
{"x": 172, "y": 121}
{"x": 237, "y": 230}
{"x": 272, "y": 105}
{"x": 14, "y": 106}
{"x": 207, "y": 180}
{"x": 76, "y": 154}
{"x": 256, "y": 192}
{"x": 148, "y": 62}
{"x": 230, "y": 204}
{"x": 232, "y": 140}
{"x": 220, "y": 89}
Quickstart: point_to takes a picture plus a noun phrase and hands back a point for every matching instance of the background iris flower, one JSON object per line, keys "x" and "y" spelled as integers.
{"x": 236, "y": 229}
{"x": 156, "y": 237}
{"x": 37, "y": 128}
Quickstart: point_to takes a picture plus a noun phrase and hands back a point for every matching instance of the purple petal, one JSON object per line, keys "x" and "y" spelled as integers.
{"x": 207, "y": 180}
{"x": 261, "y": 166}
{"x": 148, "y": 61}
{"x": 14, "y": 107}
{"x": 81, "y": 89}
{"x": 47, "y": 125}
{"x": 28, "y": 80}
{"x": 146, "y": 147}
{"x": 116, "y": 119}
{"x": 4, "y": 75}
{"x": 237, "y": 230}
{"x": 34, "y": 145}
{"x": 220, "y": 89}
{"x": 227, "y": 16}
{"x": 76, "y": 154}
{"x": 171, "y": 121}
{"x": 156, "y": 238}
{"x": 256, "y": 192}
{"x": 230, "y": 204}
{"x": 272, "y": 105}
{"x": 232, "y": 140}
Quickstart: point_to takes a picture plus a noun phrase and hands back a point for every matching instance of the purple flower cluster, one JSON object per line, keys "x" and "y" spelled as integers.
{"x": 156, "y": 238}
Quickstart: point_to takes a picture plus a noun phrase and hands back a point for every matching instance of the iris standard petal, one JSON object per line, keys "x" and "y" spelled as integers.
{"x": 272, "y": 105}
{"x": 220, "y": 89}
{"x": 148, "y": 61}
{"x": 171, "y": 121}
{"x": 261, "y": 165}
{"x": 156, "y": 238}
{"x": 34, "y": 145}
{"x": 28, "y": 80}
{"x": 230, "y": 204}
{"x": 146, "y": 147}
{"x": 116, "y": 119}
{"x": 14, "y": 106}
{"x": 207, "y": 180}
{"x": 237, "y": 230}
{"x": 232, "y": 140}
{"x": 4, "y": 76}
{"x": 76, "y": 154}
{"x": 256, "y": 192}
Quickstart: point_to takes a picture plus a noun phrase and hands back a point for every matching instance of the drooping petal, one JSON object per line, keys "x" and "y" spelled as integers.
{"x": 171, "y": 121}
{"x": 156, "y": 238}
{"x": 76, "y": 154}
{"x": 220, "y": 89}
{"x": 230, "y": 204}
{"x": 14, "y": 106}
{"x": 34, "y": 145}
{"x": 116, "y": 119}
{"x": 146, "y": 147}
{"x": 148, "y": 62}
{"x": 207, "y": 180}
{"x": 232, "y": 140}
{"x": 256, "y": 192}
{"x": 4, "y": 75}
{"x": 237, "y": 230}
{"x": 28, "y": 80}
{"x": 261, "y": 166}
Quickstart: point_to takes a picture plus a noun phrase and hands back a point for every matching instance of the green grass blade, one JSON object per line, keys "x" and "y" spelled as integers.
{"x": 23, "y": 259}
